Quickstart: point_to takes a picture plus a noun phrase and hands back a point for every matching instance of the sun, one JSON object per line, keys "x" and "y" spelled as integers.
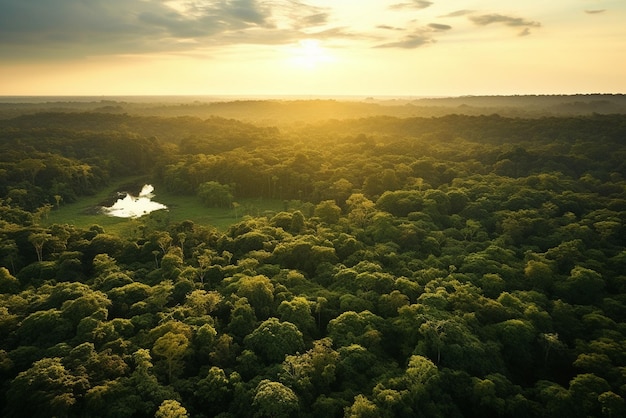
{"x": 309, "y": 54}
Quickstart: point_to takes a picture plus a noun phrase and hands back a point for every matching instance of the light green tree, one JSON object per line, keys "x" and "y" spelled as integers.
{"x": 362, "y": 408}
{"x": 328, "y": 211}
{"x": 171, "y": 409}
{"x": 273, "y": 399}
{"x": 172, "y": 347}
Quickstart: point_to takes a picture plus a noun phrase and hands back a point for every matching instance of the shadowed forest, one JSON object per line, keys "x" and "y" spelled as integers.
{"x": 461, "y": 257}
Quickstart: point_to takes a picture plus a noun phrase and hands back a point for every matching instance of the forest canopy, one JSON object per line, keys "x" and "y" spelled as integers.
{"x": 452, "y": 264}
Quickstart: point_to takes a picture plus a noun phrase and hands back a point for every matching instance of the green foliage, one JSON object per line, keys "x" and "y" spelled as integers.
{"x": 45, "y": 388}
{"x": 214, "y": 194}
{"x": 172, "y": 347}
{"x": 171, "y": 409}
{"x": 328, "y": 211}
{"x": 272, "y": 340}
{"x": 362, "y": 408}
{"x": 273, "y": 399}
{"x": 259, "y": 292}
{"x": 446, "y": 266}
{"x": 362, "y": 328}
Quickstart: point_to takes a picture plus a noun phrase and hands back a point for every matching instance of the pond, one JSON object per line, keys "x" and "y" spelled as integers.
{"x": 133, "y": 207}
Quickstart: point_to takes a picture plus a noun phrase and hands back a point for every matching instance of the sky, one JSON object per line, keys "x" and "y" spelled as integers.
{"x": 312, "y": 47}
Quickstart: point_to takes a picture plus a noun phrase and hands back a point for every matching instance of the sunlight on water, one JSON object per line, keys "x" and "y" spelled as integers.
{"x": 134, "y": 207}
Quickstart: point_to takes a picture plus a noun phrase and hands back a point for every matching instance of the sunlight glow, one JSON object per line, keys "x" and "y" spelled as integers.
{"x": 309, "y": 54}
{"x": 174, "y": 47}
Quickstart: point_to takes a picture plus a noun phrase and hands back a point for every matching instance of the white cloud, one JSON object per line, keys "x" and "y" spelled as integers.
{"x": 101, "y": 27}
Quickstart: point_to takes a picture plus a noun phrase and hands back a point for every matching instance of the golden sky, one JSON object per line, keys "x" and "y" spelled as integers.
{"x": 312, "y": 47}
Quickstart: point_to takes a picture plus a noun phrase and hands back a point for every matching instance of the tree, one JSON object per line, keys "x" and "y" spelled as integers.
{"x": 420, "y": 371}
{"x": 389, "y": 303}
{"x": 361, "y": 209}
{"x": 214, "y": 194}
{"x": 328, "y": 211}
{"x": 110, "y": 244}
{"x": 539, "y": 274}
{"x": 31, "y": 167}
{"x": 171, "y": 266}
{"x": 550, "y": 341}
{"x": 434, "y": 330}
{"x": 44, "y": 328}
{"x": 583, "y": 286}
{"x": 400, "y": 202}
{"x": 362, "y": 408}
{"x": 38, "y": 240}
{"x": 585, "y": 390}
{"x": 205, "y": 258}
{"x": 45, "y": 389}
{"x": 259, "y": 291}
{"x": 42, "y": 212}
{"x": 362, "y": 328}
{"x": 612, "y": 404}
{"x": 164, "y": 240}
{"x": 140, "y": 394}
{"x": 213, "y": 391}
{"x": 312, "y": 372}
{"x": 9, "y": 253}
{"x": 173, "y": 347}
{"x": 305, "y": 253}
{"x": 298, "y": 312}
{"x": 8, "y": 283}
{"x": 297, "y": 222}
{"x": 86, "y": 305}
{"x": 181, "y": 237}
{"x": 242, "y": 318}
{"x": 58, "y": 198}
{"x": 272, "y": 340}
{"x": 201, "y": 302}
{"x": 171, "y": 409}
{"x": 517, "y": 337}
{"x": 273, "y": 399}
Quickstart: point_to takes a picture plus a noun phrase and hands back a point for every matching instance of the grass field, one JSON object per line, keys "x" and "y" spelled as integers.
{"x": 83, "y": 213}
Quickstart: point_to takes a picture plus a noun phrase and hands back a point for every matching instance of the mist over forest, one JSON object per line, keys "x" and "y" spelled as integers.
{"x": 336, "y": 257}
{"x": 305, "y": 109}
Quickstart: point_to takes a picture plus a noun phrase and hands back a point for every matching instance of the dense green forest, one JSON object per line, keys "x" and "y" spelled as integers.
{"x": 438, "y": 264}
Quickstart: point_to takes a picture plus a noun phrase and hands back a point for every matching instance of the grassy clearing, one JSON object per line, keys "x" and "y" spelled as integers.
{"x": 83, "y": 213}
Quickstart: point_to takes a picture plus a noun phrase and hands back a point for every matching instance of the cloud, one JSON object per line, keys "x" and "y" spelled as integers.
{"x": 419, "y": 37}
{"x": 496, "y": 18}
{"x": 415, "y": 4}
{"x": 387, "y": 27}
{"x": 333, "y": 33}
{"x": 79, "y": 28}
{"x": 459, "y": 13}
{"x": 249, "y": 11}
{"x": 413, "y": 41}
{"x": 507, "y": 20}
{"x": 518, "y": 22}
{"x": 594, "y": 12}
{"x": 415, "y": 38}
{"x": 315, "y": 19}
{"x": 439, "y": 26}
{"x": 299, "y": 14}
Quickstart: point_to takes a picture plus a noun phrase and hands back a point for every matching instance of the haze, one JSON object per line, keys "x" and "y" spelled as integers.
{"x": 315, "y": 47}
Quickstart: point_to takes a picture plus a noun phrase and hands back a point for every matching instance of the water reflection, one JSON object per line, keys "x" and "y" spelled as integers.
{"x": 134, "y": 207}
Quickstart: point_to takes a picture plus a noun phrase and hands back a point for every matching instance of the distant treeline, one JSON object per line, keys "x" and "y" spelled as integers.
{"x": 68, "y": 155}
{"x": 288, "y": 111}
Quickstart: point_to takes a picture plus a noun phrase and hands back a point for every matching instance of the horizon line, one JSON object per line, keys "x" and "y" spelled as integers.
{"x": 221, "y": 97}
